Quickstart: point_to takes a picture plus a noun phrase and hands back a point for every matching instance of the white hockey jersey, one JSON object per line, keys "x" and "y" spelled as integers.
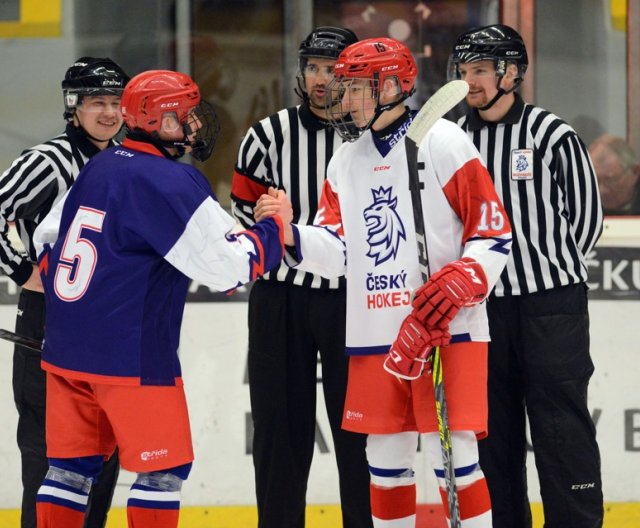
{"x": 364, "y": 229}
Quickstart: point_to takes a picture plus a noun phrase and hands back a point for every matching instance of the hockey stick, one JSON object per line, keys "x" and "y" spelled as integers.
{"x": 27, "y": 342}
{"x": 436, "y": 107}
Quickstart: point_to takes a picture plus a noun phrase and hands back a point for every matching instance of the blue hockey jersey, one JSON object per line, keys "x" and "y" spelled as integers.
{"x": 116, "y": 255}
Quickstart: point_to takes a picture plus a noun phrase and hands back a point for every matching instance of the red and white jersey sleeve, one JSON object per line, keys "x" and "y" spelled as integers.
{"x": 323, "y": 242}
{"x": 469, "y": 190}
{"x": 367, "y": 213}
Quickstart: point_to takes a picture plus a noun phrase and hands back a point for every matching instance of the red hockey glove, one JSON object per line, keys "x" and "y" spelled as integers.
{"x": 459, "y": 283}
{"x": 412, "y": 349}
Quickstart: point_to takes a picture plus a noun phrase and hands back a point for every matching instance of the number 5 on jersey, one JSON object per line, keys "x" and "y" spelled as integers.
{"x": 78, "y": 257}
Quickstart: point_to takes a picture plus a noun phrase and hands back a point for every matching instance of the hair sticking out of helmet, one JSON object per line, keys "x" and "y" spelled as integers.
{"x": 154, "y": 94}
{"x": 379, "y": 62}
{"x": 498, "y": 43}
{"x": 91, "y": 76}
{"x": 325, "y": 42}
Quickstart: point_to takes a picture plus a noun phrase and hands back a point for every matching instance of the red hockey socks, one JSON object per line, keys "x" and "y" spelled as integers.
{"x": 396, "y": 504}
{"x": 151, "y": 507}
{"x": 60, "y": 506}
{"x": 151, "y": 518}
{"x": 474, "y": 502}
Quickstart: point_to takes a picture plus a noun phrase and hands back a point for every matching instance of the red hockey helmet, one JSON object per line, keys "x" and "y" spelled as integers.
{"x": 375, "y": 61}
{"x": 380, "y": 59}
{"x": 152, "y": 94}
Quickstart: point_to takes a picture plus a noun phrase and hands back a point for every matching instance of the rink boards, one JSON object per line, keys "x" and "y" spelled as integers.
{"x": 220, "y": 490}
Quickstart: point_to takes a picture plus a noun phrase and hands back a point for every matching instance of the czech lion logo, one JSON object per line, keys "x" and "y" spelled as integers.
{"x": 384, "y": 227}
{"x": 521, "y": 163}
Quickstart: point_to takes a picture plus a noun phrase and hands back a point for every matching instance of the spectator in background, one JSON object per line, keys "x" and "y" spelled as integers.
{"x": 618, "y": 171}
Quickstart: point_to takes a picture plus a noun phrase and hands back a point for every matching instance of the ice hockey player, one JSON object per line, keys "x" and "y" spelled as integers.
{"x": 115, "y": 257}
{"x": 365, "y": 229}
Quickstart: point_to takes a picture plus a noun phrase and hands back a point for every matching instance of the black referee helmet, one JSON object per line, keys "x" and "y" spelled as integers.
{"x": 326, "y": 42}
{"x": 91, "y": 76}
{"x": 499, "y": 43}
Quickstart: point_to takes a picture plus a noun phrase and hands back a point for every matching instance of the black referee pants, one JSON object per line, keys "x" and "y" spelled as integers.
{"x": 288, "y": 325}
{"x": 539, "y": 363}
{"x": 29, "y": 392}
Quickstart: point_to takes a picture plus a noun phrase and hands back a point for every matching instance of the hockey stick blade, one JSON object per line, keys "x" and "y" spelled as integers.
{"x": 27, "y": 342}
{"x": 436, "y": 107}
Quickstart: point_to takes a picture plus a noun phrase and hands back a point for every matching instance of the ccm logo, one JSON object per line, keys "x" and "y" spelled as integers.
{"x": 381, "y": 168}
{"x": 589, "y": 485}
{"x": 169, "y": 105}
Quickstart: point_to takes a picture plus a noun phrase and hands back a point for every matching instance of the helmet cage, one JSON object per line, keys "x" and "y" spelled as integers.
{"x": 337, "y": 107}
{"x": 206, "y": 134}
{"x": 153, "y": 95}
{"x": 376, "y": 61}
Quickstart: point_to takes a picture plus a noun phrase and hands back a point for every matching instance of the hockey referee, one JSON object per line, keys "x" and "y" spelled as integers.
{"x": 539, "y": 361}
{"x": 29, "y": 188}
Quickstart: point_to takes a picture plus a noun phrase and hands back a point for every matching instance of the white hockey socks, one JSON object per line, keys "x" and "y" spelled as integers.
{"x": 393, "y": 485}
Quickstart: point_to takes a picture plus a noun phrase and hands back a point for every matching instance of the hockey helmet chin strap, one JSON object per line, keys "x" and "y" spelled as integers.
{"x": 383, "y": 108}
{"x": 502, "y": 91}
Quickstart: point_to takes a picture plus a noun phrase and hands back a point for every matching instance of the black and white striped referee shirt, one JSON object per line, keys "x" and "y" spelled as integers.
{"x": 31, "y": 187}
{"x": 544, "y": 177}
{"x": 289, "y": 150}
